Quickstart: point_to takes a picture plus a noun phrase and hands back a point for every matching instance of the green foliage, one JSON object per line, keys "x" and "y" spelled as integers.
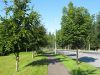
{"x": 75, "y": 25}
{"x": 51, "y": 39}
{"x": 96, "y": 38}
{"x": 59, "y": 39}
{"x": 21, "y": 28}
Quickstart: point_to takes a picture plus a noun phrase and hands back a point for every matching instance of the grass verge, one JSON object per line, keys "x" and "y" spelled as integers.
{"x": 81, "y": 69}
{"x": 27, "y": 65}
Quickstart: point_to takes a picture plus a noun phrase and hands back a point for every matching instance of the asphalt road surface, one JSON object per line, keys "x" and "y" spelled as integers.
{"x": 92, "y": 58}
{"x": 55, "y": 67}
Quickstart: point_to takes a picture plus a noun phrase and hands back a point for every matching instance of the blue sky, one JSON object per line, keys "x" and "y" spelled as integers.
{"x": 51, "y": 10}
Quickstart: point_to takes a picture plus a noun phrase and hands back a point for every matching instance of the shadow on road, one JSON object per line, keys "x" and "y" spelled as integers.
{"x": 71, "y": 55}
{"x": 87, "y": 59}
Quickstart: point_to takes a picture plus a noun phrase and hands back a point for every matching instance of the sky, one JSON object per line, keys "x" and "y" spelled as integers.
{"x": 51, "y": 10}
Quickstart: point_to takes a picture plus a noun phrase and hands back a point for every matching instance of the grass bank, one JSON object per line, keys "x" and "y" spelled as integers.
{"x": 28, "y": 66}
{"x": 82, "y": 69}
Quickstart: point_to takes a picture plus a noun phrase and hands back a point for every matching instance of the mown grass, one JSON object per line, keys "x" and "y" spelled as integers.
{"x": 81, "y": 69}
{"x": 27, "y": 65}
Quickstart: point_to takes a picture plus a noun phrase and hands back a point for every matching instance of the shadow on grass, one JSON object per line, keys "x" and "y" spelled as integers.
{"x": 47, "y": 54}
{"x": 82, "y": 72}
{"x": 37, "y": 63}
{"x": 46, "y": 61}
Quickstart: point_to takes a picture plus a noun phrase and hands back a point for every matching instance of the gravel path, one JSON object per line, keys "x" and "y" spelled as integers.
{"x": 55, "y": 67}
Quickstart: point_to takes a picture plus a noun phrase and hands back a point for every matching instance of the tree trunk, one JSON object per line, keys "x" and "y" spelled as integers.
{"x": 55, "y": 48}
{"x": 65, "y": 47}
{"x": 55, "y": 43}
{"x": 17, "y": 63}
{"x": 77, "y": 56}
{"x": 32, "y": 54}
{"x": 89, "y": 46}
{"x": 26, "y": 49}
{"x": 17, "y": 56}
{"x": 68, "y": 47}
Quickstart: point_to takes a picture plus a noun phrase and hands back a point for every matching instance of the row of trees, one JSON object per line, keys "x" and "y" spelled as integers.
{"x": 20, "y": 29}
{"x": 79, "y": 29}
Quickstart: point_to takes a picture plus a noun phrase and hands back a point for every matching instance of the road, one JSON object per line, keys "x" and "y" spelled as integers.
{"x": 92, "y": 58}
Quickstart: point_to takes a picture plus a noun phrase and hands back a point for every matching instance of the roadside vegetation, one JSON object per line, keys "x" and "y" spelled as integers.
{"x": 81, "y": 69}
{"x": 28, "y": 66}
{"x": 20, "y": 29}
{"x": 79, "y": 29}
{"x": 23, "y": 38}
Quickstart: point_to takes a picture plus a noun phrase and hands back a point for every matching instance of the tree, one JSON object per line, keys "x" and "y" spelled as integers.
{"x": 91, "y": 34}
{"x": 21, "y": 28}
{"x": 50, "y": 42}
{"x": 93, "y": 37}
{"x": 75, "y": 24}
{"x": 97, "y": 31}
{"x": 37, "y": 32}
{"x": 59, "y": 39}
{"x": 15, "y": 27}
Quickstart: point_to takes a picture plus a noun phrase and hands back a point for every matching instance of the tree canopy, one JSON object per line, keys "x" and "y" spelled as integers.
{"x": 75, "y": 25}
{"x": 21, "y": 28}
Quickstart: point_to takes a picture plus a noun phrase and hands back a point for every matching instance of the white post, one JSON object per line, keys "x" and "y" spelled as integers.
{"x": 55, "y": 43}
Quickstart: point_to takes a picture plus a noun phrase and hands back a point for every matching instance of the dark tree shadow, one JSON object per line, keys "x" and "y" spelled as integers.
{"x": 46, "y": 61}
{"x": 71, "y": 55}
{"x": 87, "y": 59}
{"x": 82, "y": 72}
{"x": 37, "y": 62}
{"x": 48, "y": 54}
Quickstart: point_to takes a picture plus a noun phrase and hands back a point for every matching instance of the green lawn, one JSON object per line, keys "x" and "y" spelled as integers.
{"x": 39, "y": 65}
{"x": 28, "y": 66}
{"x": 82, "y": 69}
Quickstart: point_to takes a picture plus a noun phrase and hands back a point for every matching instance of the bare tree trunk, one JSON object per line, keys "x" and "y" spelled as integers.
{"x": 68, "y": 47}
{"x": 65, "y": 47}
{"x": 17, "y": 63}
{"x": 89, "y": 46}
{"x": 55, "y": 44}
{"x": 26, "y": 49}
{"x": 55, "y": 47}
{"x": 17, "y": 59}
{"x": 77, "y": 56}
{"x": 32, "y": 54}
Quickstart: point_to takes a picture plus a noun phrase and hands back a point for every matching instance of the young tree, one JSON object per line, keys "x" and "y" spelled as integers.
{"x": 21, "y": 27}
{"x": 76, "y": 22}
